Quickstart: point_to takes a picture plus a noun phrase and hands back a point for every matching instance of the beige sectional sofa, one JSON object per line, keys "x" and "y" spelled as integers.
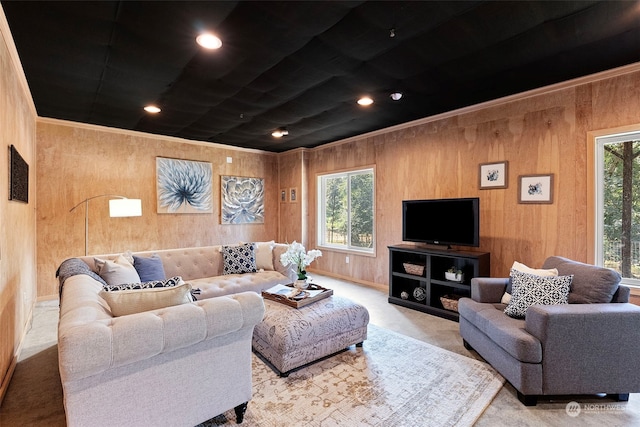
{"x": 173, "y": 366}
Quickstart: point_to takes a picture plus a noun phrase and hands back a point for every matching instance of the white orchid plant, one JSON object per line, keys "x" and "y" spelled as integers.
{"x": 297, "y": 257}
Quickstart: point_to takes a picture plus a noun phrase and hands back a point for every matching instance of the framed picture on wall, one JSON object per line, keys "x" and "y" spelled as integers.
{"x": 493, "y": 175}
{"x": 293, "y": 195}
{"x": 18, "y": 176}
{"x": 184, "y": 186}
{"x": 283, "y": 195}
{"x": 535, "y": 189}
{"x": 242, "y": 200}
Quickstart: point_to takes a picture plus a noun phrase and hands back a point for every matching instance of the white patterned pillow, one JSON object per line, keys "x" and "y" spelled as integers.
{"x": 173, "y": 281}
{"x": 239, "y": 259}
{"x": 530, "y": 289}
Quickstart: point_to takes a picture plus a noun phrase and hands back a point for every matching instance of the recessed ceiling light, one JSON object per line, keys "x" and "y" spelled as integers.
{"x": 209, "y": 41}
{"x": 396, "y": 96}
{"x": 279, "y": 133}
{"x": 365, "y": 100}
{"x": 152, "y": 109}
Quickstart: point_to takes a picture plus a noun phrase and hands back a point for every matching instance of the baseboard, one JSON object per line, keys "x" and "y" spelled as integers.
{"x": 4, "y": 386}
{"x": 383, "y": 288}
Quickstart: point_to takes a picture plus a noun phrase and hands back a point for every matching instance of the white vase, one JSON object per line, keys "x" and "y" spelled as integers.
{"x": 301, "y": 284}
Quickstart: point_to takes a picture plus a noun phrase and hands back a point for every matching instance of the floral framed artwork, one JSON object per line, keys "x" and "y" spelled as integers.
{"x": 535, "y": 188}
{"x": 184, "y": 186}
{"x": 242, "y": 200}
{"x": 283, "y": 195}
{"x": 493, "y": 175}
{"x": 293, "y": 195}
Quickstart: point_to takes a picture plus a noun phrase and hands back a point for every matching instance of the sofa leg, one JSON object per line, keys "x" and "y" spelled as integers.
{"x": 467, "y": 345}
{"x": 528, "y": 399}
{"x": 240, "y": 410}
{"x": 620, "y": 397}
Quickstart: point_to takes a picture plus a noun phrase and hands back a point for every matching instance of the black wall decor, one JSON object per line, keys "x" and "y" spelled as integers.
{"x": 19, "y": 176}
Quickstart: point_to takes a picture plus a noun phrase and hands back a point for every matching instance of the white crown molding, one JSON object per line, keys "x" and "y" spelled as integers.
{"x": 608, "y": 74}
{"x": 139, "y": 134}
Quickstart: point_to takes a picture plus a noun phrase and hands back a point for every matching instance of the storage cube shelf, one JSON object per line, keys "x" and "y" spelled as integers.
{"x": 423, "y": 291}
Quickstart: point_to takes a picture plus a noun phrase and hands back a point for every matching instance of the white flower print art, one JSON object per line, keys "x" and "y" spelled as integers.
{"x": 184, "y": 186}
{"x": 242, "y": 200}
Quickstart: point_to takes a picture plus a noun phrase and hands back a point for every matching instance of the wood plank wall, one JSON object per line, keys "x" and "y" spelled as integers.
{"x": 78, "y": 161}
{"x": 542, "y": 134}
{"x": 17, "y": 219}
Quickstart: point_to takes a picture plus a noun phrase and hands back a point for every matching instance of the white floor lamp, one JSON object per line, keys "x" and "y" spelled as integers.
{"x": 118, "y": 208}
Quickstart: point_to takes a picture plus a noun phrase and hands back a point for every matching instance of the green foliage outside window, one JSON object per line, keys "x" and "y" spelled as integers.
{"x": 621, "y": 208}
{"x": 347, "y": 209}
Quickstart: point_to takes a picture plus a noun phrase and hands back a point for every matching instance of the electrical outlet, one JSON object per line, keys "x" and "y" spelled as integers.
{"x": 346, "y": 260}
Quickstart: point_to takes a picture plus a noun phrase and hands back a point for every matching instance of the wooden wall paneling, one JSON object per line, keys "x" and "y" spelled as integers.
{"x": 78, "y": 161}
{"x": 17, "y": 219}
{"x": 543, "y": 133}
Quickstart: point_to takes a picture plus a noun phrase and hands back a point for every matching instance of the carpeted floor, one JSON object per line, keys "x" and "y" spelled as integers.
{"x": 393, "y": 380}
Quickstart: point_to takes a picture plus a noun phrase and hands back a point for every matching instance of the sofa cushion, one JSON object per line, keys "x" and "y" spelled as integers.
{"x": 530, "y": 289}
{"x": 149, "y": 268}
{"x": 591, "y": 283}
{"x": 504, "y": 331}
{"x": 239, "y": 259}
{"x": 118, "y": 271}
{"x": 526, "y": 269}
{"x": 131, "y": 301}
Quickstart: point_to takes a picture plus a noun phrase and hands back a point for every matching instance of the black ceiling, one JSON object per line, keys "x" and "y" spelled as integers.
{"x": 302, "y": 65}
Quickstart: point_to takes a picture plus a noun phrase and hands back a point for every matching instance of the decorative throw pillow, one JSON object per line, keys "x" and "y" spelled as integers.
{"x": 523, "y": 268}
{"x": 173, "y": 281}
{"x": 150, "y": 268}
{"x": 132, "y": 301}
{"x": 239, "y": 259}
{"x": 530, "y": 289}
{"x": 264, "y": 255}
{"x": 118, "y": 271}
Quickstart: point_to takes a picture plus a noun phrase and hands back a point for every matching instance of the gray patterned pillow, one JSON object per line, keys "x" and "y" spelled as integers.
{"x": 239, "y": 259}
{"x": 529, "y": 289}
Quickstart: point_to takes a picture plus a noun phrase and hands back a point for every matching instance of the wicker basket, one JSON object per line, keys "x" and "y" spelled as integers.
{"x": 450, "y": 302}
{"x": 414, "y": 269}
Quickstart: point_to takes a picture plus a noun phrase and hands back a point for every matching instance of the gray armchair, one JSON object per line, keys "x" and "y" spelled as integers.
{"x": 570, "y": 349}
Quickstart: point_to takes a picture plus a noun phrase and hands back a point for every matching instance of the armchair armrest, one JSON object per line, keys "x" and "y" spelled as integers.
{"x": 488, "y": 289}
{"x": 587, "y": 346}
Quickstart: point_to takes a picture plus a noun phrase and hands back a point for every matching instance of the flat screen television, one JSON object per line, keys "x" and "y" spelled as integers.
{"x": 442, "y": 221}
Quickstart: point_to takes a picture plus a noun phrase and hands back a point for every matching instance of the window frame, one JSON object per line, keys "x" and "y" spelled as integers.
{"x": 321, "y": 211}
{"x": 598, "y": 197}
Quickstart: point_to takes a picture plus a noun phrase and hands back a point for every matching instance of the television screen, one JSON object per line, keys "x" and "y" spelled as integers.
{"x": 442, "y": 221}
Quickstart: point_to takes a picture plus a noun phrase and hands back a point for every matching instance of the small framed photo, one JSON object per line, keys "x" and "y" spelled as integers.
{"x": 535, "y": 189}
{"x": 283, "y": 195}
{"x": 293, "y": 195}
{"x": 493, "y": 175}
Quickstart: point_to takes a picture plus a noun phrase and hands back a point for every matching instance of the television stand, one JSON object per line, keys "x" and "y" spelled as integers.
{"x": 417, "y": 277}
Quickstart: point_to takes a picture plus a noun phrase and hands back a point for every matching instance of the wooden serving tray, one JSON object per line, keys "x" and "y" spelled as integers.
{"x": 326, "y": 292}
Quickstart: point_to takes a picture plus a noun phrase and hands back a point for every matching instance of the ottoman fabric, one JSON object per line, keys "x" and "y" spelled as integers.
{"x": 290, "y": 338}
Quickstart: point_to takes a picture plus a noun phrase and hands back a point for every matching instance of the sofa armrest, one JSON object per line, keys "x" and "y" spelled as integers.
{"x": 88, "y": 347}
{"x": 488, "y": 289}
{"x": 588, "y": 345}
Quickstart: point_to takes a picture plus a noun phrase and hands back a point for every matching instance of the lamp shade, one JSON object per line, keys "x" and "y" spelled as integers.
{"x": 125, "y": 207}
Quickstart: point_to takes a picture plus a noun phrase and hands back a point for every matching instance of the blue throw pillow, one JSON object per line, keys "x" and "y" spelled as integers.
{"x": 149, "y": 269}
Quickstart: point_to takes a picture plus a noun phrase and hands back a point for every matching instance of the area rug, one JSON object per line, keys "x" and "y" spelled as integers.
{"x": 393, "y": 380}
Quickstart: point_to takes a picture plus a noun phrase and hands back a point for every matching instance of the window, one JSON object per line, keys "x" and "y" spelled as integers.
{"x": 346, "y": 210}
{"x": 618, "y": 204}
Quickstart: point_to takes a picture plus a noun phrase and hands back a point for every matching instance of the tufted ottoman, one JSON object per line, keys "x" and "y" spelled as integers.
{"x": 289, "y": 337}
